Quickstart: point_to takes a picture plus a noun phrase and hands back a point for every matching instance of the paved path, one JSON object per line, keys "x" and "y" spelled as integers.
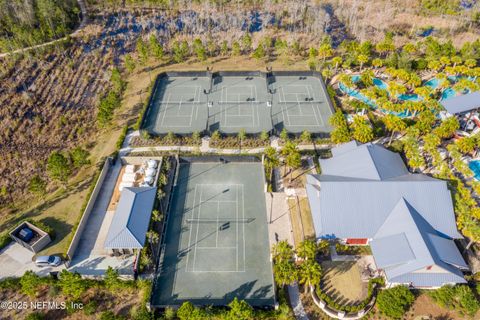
{"x": 278, "y": 218}
{"x": 294, "y": 295}
{"x": 83, "y": 8}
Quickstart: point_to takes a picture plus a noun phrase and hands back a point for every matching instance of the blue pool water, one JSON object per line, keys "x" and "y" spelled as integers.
{"x": 355, "y": 78}
{"x": 380, "y": 84}
{"x": 409, "y": 97}
{"x": 475, "y": 167}
{"x": 448, "y": 93}
{"x": 432, "y": 83}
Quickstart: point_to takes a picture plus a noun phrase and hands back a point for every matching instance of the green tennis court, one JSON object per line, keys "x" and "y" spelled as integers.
{"x": 239, "y": 102}
{"x": 216, "y": 245}
{"x": 300, "y": 103}
{"x": 179, "y": 105}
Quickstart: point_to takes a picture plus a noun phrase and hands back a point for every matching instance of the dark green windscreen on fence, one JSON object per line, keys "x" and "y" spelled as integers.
{"x": 216, "y": 245}
{"x": 187, "y": 102}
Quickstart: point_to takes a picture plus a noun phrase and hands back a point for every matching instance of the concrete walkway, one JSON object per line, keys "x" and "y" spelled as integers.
{"x": 296, "y": 303}
{"x": 278, "y": 218}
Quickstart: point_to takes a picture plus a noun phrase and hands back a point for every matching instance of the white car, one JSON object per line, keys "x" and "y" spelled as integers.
{"x": 50, "y": 261}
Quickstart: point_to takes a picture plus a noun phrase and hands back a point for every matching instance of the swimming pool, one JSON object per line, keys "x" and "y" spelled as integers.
{"x": 380, "y": 84}
{"x": 448, "y": 93}
{"x": 432, "y": 83}
{"x": 409, "y": 97}
{"x": 475, "y": 167}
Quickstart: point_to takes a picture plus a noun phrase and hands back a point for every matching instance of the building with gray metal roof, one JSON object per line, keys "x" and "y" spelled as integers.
{"x": 132, "y": 217}
{"x": 463, "y": 103}
{"x": 365, "y": 192}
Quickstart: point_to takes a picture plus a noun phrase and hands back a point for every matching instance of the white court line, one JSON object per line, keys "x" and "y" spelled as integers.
{"x": 243, "y": 225}
{"x": 217, "y": 227}
{"x": 213, "y": 248}
{"x": 236, "y": 233}
{"x": 217, "y": 271}
{"x": 165, "y": 111}
{"x": 198, "y": 226}
{"x": 316, "y": 117}
{"x": 193, "y": 216}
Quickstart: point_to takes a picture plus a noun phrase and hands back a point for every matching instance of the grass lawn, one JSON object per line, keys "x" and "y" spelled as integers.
{"x": 302, "y": 223}
{"x": 295, "y": 219}
{"x": 342, "y": 282}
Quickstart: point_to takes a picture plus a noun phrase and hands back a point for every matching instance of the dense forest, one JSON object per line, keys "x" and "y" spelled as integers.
{"x": 29, "y": 22}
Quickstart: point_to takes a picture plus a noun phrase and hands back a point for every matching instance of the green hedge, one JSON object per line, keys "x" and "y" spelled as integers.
{"x": 5, "y": 240}
{"x": 351, "y": 308}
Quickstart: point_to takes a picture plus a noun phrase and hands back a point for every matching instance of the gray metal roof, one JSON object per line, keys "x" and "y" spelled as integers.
{"x": 366, "y": 192}
{"x": 357, "y": 208}
{"x": 132, "y": 217}
{"x": 403, "y": 245}
{"x": 463, "y": 103}
{"x": 419, "y": 279}
{"x": 397, "y": 243}
{"x": 367, "y": 161}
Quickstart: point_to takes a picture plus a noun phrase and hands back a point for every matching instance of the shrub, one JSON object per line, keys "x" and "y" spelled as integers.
{"x": 30, "y": 283}
{"x": 72, "y": 284}
{"x": 36, "y": 316}
{"x": 169, "y": 313}
{"x": 123, "y": 134}
{"x": 460, "y": 298}
{"x": 5, "y": 240}
{"x": 395, "y": 302}
{"x": 10, "y": 283}
{"x": 90, "y": 308}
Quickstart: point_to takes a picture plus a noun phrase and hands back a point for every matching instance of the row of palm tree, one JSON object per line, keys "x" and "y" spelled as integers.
{"x": 306, "y": 270}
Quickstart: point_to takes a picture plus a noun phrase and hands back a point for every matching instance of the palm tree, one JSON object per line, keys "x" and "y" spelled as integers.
{"x": 242, "y": 134}
{"x": 284, "y": 272}
{"x": 153, "y": 238}
{"x": 377, "y": 63}
{"x": 396, "y": 89}
{"x": 337, "y": 61}
{"x": 393, "y": 124}
{"x": 307, "y": 249}
{"x": 292, "y": 157}
{"x": 362, "y": 59}
{"x": 310, "y": 274}
{"x": 270, "y": 159}
{"x": 282, "y": 251}
{"x": 362, "y": 131}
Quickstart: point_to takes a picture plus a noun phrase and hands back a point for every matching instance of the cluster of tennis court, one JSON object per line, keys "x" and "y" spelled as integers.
{"x": 216, "y": 241}
{"x": 187, "y": 102}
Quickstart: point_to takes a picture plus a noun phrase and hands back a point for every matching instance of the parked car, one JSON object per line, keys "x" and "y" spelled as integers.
{"x": 51, "y": 261}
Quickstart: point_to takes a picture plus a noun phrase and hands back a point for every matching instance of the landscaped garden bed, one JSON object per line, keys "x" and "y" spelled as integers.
{"x": 343, "y": 249}
{"x": 236, "y": 143}
{"x": 168, "y": 140}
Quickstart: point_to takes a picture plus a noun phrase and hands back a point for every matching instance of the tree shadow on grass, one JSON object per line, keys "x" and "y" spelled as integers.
{"x": 60, "y": 228}
{"x": 83, "y": 185}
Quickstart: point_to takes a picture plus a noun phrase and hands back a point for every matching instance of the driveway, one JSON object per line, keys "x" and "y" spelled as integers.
{"x": 15, "y": 260}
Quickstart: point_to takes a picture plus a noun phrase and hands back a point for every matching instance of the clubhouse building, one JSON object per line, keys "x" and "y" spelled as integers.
{"x": 365, "y": 195}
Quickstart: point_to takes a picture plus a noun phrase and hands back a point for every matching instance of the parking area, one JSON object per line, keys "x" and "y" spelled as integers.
{"x": 15, "y": 260}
